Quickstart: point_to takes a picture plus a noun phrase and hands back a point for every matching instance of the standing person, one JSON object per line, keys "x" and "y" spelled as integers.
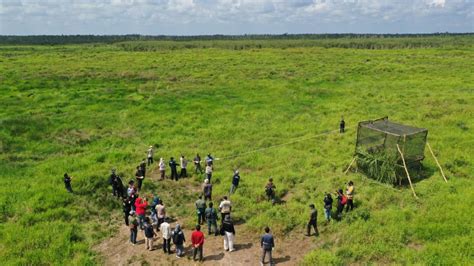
{"x": 267, "y": 243}
{"x": 133, "y": 198}
{"x": 149, "y": 155}
{"x": 162, "y": 166}
{"x": 184, "y": 164}
{"x": 197, "y": 240}
{"x": 160, "y": 213}
{"x": 139, "y": 175}
{"x": 127, "y": 208}
{"x": 313, "y": 221}
{"x": 200, "y": 209}
{"x": 140, "y": 209}
{"x": 235, "y": 182}
{"x": 211, "y": 218}
{"x": 149, "y": 234}
{"x": 131, "y": 188}
{"x": 165, "y": 229}
{"x": 67, "y": 182}
{"x": 178, "y": 240}
{"x": 209, "y": 171}
{"x": 207, "y": 190}
{"x": 113, "y": 183}
{"x": 209, "y": 159}
{"x": 350, "y": 196}
{"x": 143, "y": 167}
{"x": 120, "y": 187}
{"x": 225, "y": 207}
{"x": 342, "y": 125}
{"x": 174, "y": 173}
{"x": 197, "y": 164}
{"x": 229, "y": 233}
{"x": 270, "y": 190}
{"x": 154, "y": 215}
{"x": 341, "y": 201}
{"x": 327, "y": 207}
{"x": 133, "y": 227}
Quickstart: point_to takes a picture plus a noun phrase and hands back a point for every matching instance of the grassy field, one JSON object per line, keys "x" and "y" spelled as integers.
{"x": 84, "y": 109}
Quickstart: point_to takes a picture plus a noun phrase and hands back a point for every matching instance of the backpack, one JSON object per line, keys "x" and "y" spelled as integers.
{"x": 343, "y": 200}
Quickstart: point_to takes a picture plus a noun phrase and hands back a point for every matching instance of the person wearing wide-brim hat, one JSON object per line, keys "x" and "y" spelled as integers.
{"x": 133, "y": 227}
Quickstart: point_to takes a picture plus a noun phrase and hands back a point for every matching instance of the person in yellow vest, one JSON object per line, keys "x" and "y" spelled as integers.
{"x": 350, "y": 196}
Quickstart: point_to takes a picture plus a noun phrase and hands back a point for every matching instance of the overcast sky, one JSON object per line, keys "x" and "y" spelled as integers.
{"x": 195, "y": 17}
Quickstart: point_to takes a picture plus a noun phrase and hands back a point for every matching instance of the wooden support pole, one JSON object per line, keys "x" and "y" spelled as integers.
{"x": 349, "y": 167}
{"x": 436, "y": 160}
{"x": 406, "y": 170}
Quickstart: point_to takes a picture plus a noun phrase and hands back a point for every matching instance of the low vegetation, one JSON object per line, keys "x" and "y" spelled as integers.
{"x": 84, "y": 109}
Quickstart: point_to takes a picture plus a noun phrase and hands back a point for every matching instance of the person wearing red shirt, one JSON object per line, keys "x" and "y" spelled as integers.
{"x": 197, "y": 239}
{"x": 140, "y": 210}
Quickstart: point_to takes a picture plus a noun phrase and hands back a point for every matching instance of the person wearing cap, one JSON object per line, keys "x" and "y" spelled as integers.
{"x": 207, "y": 190}
{"x": 225, "y": 207}
{"x": 229, "y": 233}
{"x": 235, "y": 182}
{"x": 184, "y": 164}
{"x": 174, "y": 172}
{"x": 133, "y": 227}
{"x": 200, "y": 209}
{"x": 162, "y": 166}
{"x": 197, "y": 240}
{"x": 67, "y": 182}
{"x": 197, "y": 164}
{"x": 313, "y": 217}
{"x": 149, "y": 155}
{"x": 165, "y": 229}
{"x": 178, "y": 240}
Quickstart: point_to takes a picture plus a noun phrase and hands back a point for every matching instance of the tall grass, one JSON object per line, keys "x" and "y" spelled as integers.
{"x": 85, "y": 109}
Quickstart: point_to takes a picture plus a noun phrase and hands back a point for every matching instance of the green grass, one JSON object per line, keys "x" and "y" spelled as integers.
{"x": 84, "y": 109}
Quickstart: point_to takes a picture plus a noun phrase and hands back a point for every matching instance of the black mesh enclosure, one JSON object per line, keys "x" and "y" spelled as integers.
{"x": 382, "y": 135}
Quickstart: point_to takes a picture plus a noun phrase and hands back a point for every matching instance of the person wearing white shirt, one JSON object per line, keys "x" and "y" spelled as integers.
{"x": 165, "y": 229}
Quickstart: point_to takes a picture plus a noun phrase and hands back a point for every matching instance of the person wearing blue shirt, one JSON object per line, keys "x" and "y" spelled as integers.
{"x": 267, "y": 243}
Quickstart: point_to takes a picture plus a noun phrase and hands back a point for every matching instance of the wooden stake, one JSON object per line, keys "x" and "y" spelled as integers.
{"x": 406, "y": 170}
{"x": 436, "y": 160}
{"x": 347, "y": 170}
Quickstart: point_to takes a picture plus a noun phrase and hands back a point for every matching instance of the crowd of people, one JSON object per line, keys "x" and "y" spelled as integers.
{"x": 150, "y": 217}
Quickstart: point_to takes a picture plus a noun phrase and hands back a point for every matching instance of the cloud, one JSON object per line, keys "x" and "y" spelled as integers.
{"x": 233, "y": 16}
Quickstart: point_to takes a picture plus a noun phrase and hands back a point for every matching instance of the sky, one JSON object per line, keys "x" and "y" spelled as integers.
{"x": 232, "y": 17}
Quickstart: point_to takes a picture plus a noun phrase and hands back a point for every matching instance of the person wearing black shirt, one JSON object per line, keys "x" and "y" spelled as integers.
{"x": 174, "y": 172}
{"x": 313, "y": 218}
{"x": 67, "y": 182}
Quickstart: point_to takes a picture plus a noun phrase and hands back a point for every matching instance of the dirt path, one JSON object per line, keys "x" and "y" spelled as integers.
{"x": 119, "y": 251}
{"x": 289, "y": 249}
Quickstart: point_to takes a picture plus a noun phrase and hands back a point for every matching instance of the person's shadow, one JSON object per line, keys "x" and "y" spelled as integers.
{"x": 215, "y": 257}
{"x": 282, "y": 259}
{"x": 242, "y": 246}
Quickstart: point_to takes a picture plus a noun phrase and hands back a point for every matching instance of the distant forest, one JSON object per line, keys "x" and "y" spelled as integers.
{"x": 82, "y": 39}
